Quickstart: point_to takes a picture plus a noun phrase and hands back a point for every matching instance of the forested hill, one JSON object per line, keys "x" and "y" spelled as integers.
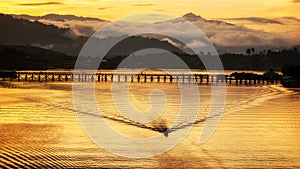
{"x": 33, "y": 58}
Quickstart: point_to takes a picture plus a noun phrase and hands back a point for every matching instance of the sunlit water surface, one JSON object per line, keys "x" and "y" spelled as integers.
{"x": 260, "y": 128}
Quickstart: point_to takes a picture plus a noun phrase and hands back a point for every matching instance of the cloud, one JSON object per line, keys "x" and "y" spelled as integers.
{"x": 296, "y": 1}
{"x": 217, "y": 32}
{"x": 256, "y": 20}
{"x": 77, "y": 27}
{"x": 142, "y": 5}
{"x": 220, "y": 34}
{"x": 40, "y": 4}
{"x": 171, "y": 42}
{"x": 291, "y": 19}
{"x": 48, "y": 46}
{"x": 287, "y": 30}
{"x": 103, "y": 8}
{"x": 226, "y": 35}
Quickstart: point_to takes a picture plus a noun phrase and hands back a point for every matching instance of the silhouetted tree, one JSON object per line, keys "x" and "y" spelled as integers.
{"x": 296, "y": 50}
{"x": 248, "y": 51}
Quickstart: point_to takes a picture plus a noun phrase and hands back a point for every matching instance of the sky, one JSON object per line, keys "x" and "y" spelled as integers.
{"x": 115, "y": 9}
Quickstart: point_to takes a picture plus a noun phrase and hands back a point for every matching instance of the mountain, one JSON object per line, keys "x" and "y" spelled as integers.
{"x": 33, "y": 58}
{"x": 14, "y": 31}
{"x": 235, "y": 38}
{"x": 57, "y": 17}
{"x": 228, "y": 35}
{"x": 137, "y": 43}
{"x": 196, "y": 18}
{"x": 68, "y": 33}
{"x": 23, "y": 32}
{"x": 77, "y": 25}
{"x": 17, "y": 35}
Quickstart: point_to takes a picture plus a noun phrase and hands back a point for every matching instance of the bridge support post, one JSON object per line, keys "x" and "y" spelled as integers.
{"x": 46, "y": 77}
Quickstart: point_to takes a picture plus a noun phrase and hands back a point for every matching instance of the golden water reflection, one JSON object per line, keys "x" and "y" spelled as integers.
{"x": 260, "y": 129}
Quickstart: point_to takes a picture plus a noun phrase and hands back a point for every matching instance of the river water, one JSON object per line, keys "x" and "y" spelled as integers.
{"x": 260, "y": 128}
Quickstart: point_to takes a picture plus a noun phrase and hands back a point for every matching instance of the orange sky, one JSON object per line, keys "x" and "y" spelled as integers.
{"x": 115, "y": 9}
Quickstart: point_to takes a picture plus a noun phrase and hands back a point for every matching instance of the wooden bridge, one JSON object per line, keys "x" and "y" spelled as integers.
{"x": 139, "y": 78}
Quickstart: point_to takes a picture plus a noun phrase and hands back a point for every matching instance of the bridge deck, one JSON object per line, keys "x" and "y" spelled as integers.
{"x": 139, "y": 78}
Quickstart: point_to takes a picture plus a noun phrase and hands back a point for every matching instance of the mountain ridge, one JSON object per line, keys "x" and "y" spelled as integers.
{"x": 56, "y": 17}
{"x": 24, "y": 32}
{"x": 227, "y": 37}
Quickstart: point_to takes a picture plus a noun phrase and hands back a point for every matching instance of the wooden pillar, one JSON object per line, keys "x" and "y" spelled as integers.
{"x": 171, "y": 78}
{"x": 165, "y": 78}
{"x": 223, "y": 79}
{"x": 18, "y": 76}
{"x": 151, "y": 78}
{"x": 98, "y": 76}
{"x": 138, "y": 78}
{"x": 119, "y": 78}
{"x": 46, "y": 77}
{"x": 125, "y": 77}
{"x": 201, "y": 79}
{"x": 52, "y": 77}
{"x": 39, "y": 77}
{"x": 207, "y": 79}
{"x": 145, "y": 78}
{"x": 32, "y": 76}
{"x": 92, "y": 78}
{"x": 112, "y": 78}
